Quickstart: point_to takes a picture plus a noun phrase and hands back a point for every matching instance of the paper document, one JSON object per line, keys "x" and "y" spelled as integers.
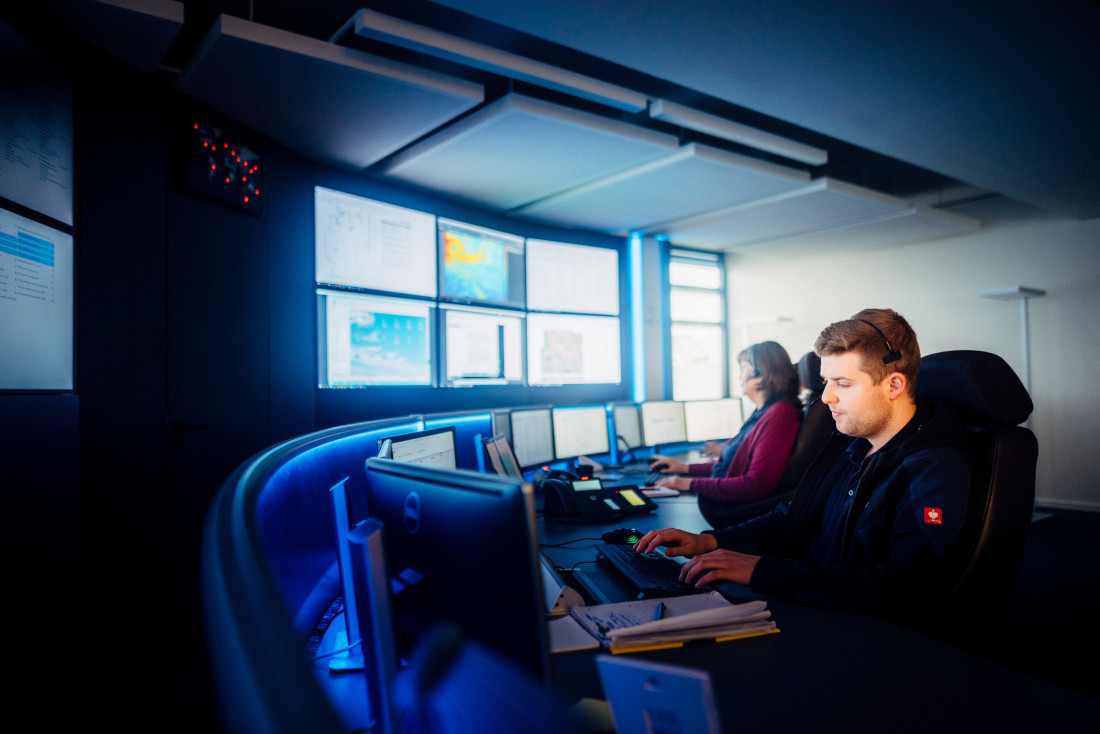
{"x": 651, "y": 623}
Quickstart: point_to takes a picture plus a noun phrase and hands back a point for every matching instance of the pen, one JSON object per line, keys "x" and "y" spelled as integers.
{"x": 660, "y": 611}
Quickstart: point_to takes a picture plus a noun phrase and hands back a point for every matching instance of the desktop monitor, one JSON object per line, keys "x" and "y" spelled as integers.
{"x": 580, "y": 431}
{"x": 432, "y": 447}
{"x": 502, "y": 424}
{"x": 628, "y": 425}
{"x": 663, "y": 422}
{"x": 712, "y": 420}
{"x": 470, "y": 427}
{"x": 532, "y": 436}
{"x": 501, "y": 457}
{"x": 460, "y": 547}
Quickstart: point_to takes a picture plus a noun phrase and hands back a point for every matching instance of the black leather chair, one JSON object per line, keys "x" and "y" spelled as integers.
{"x": 817, "y": 426}
{"x": 993, "y": 403}
{"x": 809, "y": 374}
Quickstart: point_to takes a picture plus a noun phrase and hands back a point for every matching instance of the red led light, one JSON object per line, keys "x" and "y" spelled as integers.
{"x": 246, "y": 198}
{"x": 213, "y": 166}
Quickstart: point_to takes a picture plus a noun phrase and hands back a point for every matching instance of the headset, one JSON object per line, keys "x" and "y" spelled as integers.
{"x": 752, "y": 362}
{"x": 892, "y": 354}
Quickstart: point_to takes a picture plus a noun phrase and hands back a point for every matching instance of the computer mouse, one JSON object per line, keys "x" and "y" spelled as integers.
{"x": 623, "y": 536}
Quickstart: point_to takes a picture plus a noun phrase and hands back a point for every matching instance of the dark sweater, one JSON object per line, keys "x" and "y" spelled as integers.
{"x": 895, "y": 556}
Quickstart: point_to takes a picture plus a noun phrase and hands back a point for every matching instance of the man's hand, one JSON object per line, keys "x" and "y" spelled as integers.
{"x": 719, "y": 565}
{"x": 676, "y": 542}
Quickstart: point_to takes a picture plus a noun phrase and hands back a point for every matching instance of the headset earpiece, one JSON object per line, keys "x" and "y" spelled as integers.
{"x": 892, "y": 355}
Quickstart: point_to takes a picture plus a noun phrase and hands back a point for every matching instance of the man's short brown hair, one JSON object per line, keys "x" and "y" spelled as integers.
{"x": 882, "y": 337}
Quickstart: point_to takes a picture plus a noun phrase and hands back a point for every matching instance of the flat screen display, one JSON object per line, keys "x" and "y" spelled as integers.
{"x": 480, "y": 266}
{"x": 361, "y": 243}
{"x": 663, "y": 422}
{"x": 572, "y": 278}
{"x": 434, "y": 522}
{"x": 712, "y": 420}
{"x": 371, "y": 340}
{"x": 580, "y": 431}
{"x": 502, "y": 458}
{"x": 565, "y": 349}
{"x": 628, "y": 424}
{"x": 481, "y": 346}
{"x": 433, "y": 447}
{"x": 36, "y": 305}
{"x": 532, "y": 436}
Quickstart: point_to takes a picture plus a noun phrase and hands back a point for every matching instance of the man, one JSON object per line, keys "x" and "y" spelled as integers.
{"x": 872, "y": 524}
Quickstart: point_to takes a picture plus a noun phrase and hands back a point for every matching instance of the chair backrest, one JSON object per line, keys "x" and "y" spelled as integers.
{"x": 817, "y": 426}
{"x": 809, "y": 374}
{"x": 992, "y": 402}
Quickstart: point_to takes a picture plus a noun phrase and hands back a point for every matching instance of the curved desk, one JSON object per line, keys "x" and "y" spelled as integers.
{"x": 268, "y": 558}
{"x": 829, "y": 670}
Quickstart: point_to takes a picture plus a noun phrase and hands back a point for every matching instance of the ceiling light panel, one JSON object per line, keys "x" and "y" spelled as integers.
{"x": 695, "y": 179}
{"x": 823, "y": 204}
{"x": 338, "y": 105}
{"x": 736, "y": 132}
{"x": 518, "y": 150}
{"x": 915, "y": 224}
{"x": 371, "y": 24}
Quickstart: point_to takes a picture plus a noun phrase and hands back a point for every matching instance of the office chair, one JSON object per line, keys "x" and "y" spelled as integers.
{"x": 809, "y": 374}
{"x": 992, "y": 402}
{"x": 817, "y": 426}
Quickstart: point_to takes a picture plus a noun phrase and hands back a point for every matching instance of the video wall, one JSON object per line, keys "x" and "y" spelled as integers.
{"x": 406, "y": 298}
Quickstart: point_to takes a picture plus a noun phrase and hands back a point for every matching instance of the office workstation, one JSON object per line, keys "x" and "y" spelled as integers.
{"x": 735, "y": 177}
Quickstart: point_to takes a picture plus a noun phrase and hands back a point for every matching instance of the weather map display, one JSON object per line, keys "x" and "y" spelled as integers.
{"x": 479, "y": 265}
{"x": 375, "y": 341}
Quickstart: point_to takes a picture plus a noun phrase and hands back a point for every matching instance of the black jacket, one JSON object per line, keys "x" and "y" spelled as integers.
{"x": 898, "y": 540}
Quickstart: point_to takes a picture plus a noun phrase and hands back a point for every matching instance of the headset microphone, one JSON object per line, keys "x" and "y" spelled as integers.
{"x": 892, "y": 355}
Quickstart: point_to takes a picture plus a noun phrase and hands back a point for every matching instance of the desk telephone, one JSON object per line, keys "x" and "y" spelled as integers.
{"x": 568, "y": 497}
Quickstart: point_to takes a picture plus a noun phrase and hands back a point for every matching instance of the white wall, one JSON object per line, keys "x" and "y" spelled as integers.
{"x": 935, "y": 286}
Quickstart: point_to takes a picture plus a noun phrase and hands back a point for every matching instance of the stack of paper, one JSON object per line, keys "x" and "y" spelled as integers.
{"x": 652, "y": 623}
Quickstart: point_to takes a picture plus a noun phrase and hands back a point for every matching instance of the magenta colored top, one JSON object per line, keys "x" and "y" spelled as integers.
{"x": 759, "y": 462}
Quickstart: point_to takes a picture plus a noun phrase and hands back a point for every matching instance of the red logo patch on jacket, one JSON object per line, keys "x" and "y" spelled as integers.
{"x": 933, "y": 516}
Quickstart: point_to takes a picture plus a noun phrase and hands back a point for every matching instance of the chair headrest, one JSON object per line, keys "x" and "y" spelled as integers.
{"x": 809, "y": 373}
{"x": 980, "y": 385}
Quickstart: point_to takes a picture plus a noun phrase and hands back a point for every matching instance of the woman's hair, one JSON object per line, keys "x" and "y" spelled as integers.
{"x": 883, "y": 339}
{"x": 771, "y": 363}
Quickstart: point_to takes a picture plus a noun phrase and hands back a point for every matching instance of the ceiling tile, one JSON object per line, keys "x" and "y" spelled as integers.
{"x": 519, "y": 149}
{"x": 342, "y": 106}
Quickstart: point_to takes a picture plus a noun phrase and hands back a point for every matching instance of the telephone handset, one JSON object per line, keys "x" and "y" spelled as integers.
{"x": 568, "y": 497}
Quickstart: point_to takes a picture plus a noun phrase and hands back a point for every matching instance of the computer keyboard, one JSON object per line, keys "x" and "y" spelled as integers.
{"x": 652, "y": 574}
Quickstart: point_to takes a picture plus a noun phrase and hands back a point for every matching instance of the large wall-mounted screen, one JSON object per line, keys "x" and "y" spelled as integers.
{"x": 36, "y": 305}
{"x": 480, "y": 266}
{"x": 481, "y": 346}
{"x": 360, "y": 243}
{"x": 564, "y": 349}
{"x": 371, "y": 340}
{"x": 572, "y": 278}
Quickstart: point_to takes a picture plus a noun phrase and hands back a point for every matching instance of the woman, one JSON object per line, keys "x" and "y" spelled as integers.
{"x": 752, "y": 462}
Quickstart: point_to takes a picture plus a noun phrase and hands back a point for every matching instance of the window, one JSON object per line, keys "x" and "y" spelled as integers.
{"x": 697, "y": 328}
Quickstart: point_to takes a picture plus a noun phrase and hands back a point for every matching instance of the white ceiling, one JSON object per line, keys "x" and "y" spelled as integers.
{"x": 913, "y": 104}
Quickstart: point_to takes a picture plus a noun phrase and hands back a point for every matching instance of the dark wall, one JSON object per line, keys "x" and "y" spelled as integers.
{"x": 196, "y": 348}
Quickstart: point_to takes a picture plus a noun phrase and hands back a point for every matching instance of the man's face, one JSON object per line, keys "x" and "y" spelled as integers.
{"x": 860, "y": 408}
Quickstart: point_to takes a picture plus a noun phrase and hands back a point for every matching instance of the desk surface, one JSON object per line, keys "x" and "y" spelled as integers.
{"x": 832, "y": 671}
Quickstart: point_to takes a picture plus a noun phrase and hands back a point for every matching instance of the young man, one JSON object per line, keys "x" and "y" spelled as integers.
{"x": 872, "y": 524}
